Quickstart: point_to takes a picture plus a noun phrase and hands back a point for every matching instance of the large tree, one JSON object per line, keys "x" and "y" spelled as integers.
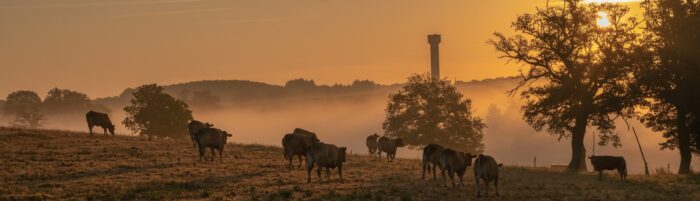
{"x": 671, "y": 81}
{"x": 575, "y": 74}
{"x": 26, "y": 107}
{"x": 432, "y": 111}
{"x": 155, "y": 113}
{"x": 64, "y": 101}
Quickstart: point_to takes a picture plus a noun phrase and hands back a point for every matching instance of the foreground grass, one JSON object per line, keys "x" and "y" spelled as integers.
{"x": 57, "y": 165}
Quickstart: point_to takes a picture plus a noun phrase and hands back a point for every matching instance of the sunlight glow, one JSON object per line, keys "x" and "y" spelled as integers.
{"x": 603, "y": 20}
{"x": 611, "y": 1}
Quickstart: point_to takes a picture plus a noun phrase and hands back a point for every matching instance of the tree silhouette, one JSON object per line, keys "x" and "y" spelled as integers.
{"x": 64, "y": 101}
{"x": 671, "y": 80}
{"x": 432, "y": 111}
{"x": 576, "y": 74}
{"x": 26, "y": 107}
{"x": 155, "y": 113}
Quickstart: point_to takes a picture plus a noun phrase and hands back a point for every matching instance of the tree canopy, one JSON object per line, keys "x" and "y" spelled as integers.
{"x": 155, "y": 113}
{"x": 428, "y": 111}
{"x": 26, "y": 107}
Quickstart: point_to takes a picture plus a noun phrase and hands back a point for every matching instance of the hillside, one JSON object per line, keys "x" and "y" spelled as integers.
{"x": 50, "y": 164}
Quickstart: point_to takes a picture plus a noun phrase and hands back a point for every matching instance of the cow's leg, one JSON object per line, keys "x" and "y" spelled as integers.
{"x": 213, "y": 155}
{"x": 328, "y": 174}
{"x": 201, "y": 152}
{"x": 90, "y": 129}
{"x": 105, "y": 129}
{"x": 600, "y": 175}
{"x": 290, "y": 158}
{"x": 379, "y": 153}
{"x": 340, "y": 172}
{"x": 486, "y": 184}
{"x": 318, "y": 172}
{"x": 444, "y": 179}
{"x": 425, "y": 166}
{"x": 495, "y": 182}
{"x": 619, "y": 171}
{"x": 451, "y": 173}
{"x": 461, "y": 178}
{"x": 300, "y": 161}
{"x": 221, "y": 154}
{"x": 435, "y": 167}
{"x": 478, "y": 188}
{"x": 308, "y": 172}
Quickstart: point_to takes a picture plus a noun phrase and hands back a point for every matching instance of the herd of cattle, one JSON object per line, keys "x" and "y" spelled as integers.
{"x": 306, "y": 144}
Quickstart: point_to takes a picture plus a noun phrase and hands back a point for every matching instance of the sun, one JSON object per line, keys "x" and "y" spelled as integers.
{"x": 603, "y": 20}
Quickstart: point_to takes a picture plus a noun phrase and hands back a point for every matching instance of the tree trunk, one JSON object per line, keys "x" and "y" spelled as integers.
{"x": 578, "y": 150}
{"x": 683, "y": 141}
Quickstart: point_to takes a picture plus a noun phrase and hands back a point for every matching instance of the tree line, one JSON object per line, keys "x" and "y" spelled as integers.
{"x": 576, "y": 74}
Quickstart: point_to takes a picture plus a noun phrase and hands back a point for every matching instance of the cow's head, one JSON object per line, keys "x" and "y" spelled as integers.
{"x": 111, "y": 129}
{"x": 399, "y": 142}
{"x": 208, "y": 125}
{"x": 341, "y": 154}
{"x": 468, "y": 159}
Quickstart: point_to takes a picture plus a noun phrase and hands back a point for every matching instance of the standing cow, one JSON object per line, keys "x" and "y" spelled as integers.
{"x": 211, "y": 138}
{"x": 99, "y": 119}
{"x": 486, "y": 169}
{"x": 371, "y": 143}
{"x": 194, "y": 126}
{"x": 601, "y": 163}
{"x": 454, "y": 162}
{"x": 297, "y": 144}
{"x": 431, "y": 156}
{"x": 389, "y": 146}
{"x": 326, "y": 156}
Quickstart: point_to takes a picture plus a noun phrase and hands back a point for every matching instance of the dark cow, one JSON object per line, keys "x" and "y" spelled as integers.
{"x": 325, "y": 156}
{"x": 454, "y": 162}
{"x": 211, "y": 138}
{"x": 371, "y": 143}
{"x": 486, "y": 169}
{"x": 99, "y": 119}
{"x": 601, "y": 163}
{"x": 304, "y": 132}
{"x": 297, "y": 145}
{"x": 194, "y": 126}
{"x": 431, "y": 157}
{"x": 389, "y": 146}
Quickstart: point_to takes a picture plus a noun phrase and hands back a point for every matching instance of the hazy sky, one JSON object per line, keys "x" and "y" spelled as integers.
{"x": 102, "y": 46}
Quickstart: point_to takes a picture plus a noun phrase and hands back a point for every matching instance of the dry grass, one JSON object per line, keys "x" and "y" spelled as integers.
{"x": 52, "y": 165}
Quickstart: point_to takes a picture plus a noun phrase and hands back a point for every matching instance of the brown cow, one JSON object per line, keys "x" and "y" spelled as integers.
{"x": 454, "y": 162}
{"x": 297, "y": 145}
{"x": 389, "y": 146}
{"x": 326, "y": 156}
{"x": 193, "y": 127}
{"x": 486, "y": 168}
{"x": 99, "y": 119}
{"x": 601, "y": 163}
{"x": 431, "y": 156}
{"x": 211, "y": 138}
{"x": 371, "y": 143}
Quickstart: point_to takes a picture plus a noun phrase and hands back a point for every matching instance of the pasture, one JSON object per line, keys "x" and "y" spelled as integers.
{"x": 63, "y": 165}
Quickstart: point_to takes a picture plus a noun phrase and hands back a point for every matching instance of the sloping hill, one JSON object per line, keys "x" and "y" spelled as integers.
{"x": 52, "y": 165}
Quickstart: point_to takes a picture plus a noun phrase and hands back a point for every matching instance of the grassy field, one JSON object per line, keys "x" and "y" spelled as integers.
{"x": 58, "y": 165}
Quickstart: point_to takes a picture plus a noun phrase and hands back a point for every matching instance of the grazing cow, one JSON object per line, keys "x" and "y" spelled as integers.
{"x": 454, "y": 162}
{"x": 99, "y": 119}
{"x": 389, "y": 146}
{"x": 431, "y": 156}
{"x": 371, "y": 143}
{"x": 194, "y": 126}
{"x": 297, "y": 145}
{"x": 486, "y": 168}
{"x": 601, "y": 163}
{"x": 211, "y": 138}
{"x": 325, "y": 156}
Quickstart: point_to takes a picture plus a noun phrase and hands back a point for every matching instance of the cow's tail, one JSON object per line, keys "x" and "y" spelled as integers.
{"x": 285, "y": 141}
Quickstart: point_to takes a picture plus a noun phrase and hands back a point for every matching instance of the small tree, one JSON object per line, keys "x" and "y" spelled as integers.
{"x": 155, "y": 113}
{"x": 576, "y": 73}
{"x": 26, "y": 107}
{"x": 432, "y": 111}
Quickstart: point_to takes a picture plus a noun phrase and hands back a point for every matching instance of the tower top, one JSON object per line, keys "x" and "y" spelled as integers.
{"x": 434, "y": 38}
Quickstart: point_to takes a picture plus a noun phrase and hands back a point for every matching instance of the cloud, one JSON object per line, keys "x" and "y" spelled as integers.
{"x": 97, "y": 4}
{"x": 173, "y": 12}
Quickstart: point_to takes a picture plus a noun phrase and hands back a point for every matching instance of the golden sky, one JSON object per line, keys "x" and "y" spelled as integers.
{"x": 103, "y": 46}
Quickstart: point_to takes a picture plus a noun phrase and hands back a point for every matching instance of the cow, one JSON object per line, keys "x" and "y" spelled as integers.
{"x": 297, "y": 145}
{"x": 194, "y": 126}
{"x": 431, "y": 156}
{"x": 454, "y": 162}
{"x": 371, "y": 143}
{"x": 486, "y": 168}
{"x": 389, "y": 146}
{"x": 326, "y": 156}
{"x": 99, "y": 119}
{"x": 601, "y": 163}
{"x": 211, "y": 138}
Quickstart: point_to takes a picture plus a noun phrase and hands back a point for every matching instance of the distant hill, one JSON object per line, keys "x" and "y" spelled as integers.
{"x": 232, "y": 92}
